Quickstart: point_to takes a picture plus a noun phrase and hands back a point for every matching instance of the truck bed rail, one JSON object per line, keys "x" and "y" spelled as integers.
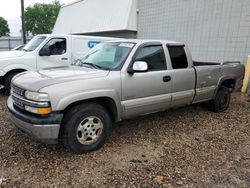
{"x": 230, "y": 62}
{"x": 201, "y": 63}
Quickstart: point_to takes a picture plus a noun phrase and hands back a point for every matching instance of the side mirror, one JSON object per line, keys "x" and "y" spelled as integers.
{"x": 44, "y": 52}
{"x": 138, "y": 66}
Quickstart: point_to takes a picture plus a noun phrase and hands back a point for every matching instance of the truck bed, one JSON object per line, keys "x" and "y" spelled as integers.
{"x": 210, "y": 74}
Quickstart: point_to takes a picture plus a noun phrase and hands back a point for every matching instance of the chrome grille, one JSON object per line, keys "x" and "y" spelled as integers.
{"x": 17, "y": 102}
{"x": 16, "y": 94}
{"x": 18, "y": 91}
{"x": 21, "y": 102}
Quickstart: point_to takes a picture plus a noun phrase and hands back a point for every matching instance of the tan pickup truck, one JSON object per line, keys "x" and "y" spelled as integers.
{"x": 114, "y": 81}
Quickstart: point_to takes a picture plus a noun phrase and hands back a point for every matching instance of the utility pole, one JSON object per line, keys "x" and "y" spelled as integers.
{"x": 23, "y": 24}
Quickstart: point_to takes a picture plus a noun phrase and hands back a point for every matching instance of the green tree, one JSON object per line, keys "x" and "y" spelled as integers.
{"x": 40, "y": 18}
{"x": 4, "y": 28}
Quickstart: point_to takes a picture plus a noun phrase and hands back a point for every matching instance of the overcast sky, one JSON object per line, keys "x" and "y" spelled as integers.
{"x": 11, "y": 11}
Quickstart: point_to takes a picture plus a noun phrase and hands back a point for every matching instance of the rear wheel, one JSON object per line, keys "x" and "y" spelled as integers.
{"x": 221, "y": 101}
{"x": 85, "y": 128}
{"x": 7, "y": 82}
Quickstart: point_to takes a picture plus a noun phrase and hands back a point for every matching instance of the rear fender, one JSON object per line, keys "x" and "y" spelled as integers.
{"x": 221, "y": 80}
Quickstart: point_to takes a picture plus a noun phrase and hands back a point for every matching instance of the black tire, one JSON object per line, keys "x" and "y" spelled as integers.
{"x": 72, "y": 121}
{"x": 221, "y": 101}
{"x": 7, "y": 82}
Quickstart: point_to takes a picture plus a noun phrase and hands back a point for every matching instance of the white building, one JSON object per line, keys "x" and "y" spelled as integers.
{"x": 215, "y": 30}
{"x": 98, "y": 17}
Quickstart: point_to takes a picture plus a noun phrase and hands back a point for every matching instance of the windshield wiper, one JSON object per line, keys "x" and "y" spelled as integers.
{"x": 91, "y": 64}
{"x": 26, "y": 50}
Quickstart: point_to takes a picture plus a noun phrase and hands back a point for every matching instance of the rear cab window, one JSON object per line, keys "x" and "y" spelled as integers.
{"x": 178, "y": 56}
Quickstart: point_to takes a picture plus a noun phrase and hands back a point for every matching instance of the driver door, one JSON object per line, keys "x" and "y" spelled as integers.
{"x": 147, "y": 92}
{"x": 55, "y": 53}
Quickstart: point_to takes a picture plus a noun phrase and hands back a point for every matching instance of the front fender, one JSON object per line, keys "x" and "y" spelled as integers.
{"x": 85, "y": 95}
{"x": 2, "y": 73}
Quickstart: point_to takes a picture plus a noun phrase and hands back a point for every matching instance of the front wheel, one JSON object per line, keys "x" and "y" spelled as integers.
{"x": 85, "y": 128}
{"x": 221, "y": 101}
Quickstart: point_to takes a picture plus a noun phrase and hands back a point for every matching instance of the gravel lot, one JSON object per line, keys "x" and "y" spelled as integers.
{"x": 187, "y": 147}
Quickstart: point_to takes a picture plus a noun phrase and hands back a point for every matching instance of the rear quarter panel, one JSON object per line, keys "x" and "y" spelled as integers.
{"x": 232, "y": 71}
{"x": 210, "y": 78}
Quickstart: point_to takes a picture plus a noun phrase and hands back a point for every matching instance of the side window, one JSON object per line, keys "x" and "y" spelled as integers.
{"x": 154, "y": 56}
{"x": 56, "y": 46}
{"x": 178, "y": 57}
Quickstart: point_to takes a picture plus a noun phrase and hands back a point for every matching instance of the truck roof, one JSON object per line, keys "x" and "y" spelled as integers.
{"x": 117, "y": 39}
{"x": 80, "y": 36}
{"x": 147, "y": 41}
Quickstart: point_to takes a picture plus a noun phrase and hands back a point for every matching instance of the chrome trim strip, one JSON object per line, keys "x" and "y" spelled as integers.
{"x": 29, "y": 102}
{"x": 205, "y": 90}
{"x": 183, "y": 95}
{"x": 146, "y": 101}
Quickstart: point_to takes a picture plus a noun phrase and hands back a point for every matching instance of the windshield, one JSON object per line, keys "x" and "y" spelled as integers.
{"x": 34, "y": 43}
{"x": 108, "y": 56}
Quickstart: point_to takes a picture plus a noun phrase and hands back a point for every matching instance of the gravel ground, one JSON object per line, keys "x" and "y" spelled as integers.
{"x": 187, "y": 147}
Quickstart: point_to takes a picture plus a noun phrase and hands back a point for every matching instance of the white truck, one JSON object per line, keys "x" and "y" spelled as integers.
{"x": 44, "y": 51}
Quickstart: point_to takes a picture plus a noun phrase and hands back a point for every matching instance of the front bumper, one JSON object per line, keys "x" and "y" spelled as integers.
{"x": 44, "y": 129}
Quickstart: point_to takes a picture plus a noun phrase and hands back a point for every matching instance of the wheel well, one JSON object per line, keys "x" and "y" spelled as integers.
{"x": 13, "y": 71}
{"x": 229, "y": 84}
{"x": 106, "y": 102}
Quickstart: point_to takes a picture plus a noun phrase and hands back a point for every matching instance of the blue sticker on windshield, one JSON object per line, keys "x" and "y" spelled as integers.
{"x": 92, "y": 44}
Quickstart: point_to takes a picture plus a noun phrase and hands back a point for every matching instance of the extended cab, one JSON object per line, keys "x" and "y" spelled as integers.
{"x": 44, "y": 51}
{"x": 112, "y": 82}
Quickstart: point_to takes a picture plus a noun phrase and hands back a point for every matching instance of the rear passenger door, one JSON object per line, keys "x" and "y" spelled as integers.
{"x": 183, "y": 76}
{"x": 149, "y": 91}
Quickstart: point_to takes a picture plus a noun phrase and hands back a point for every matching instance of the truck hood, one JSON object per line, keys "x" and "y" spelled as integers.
{"x": 37, "y": 80}
{"x": 11, "y": 54}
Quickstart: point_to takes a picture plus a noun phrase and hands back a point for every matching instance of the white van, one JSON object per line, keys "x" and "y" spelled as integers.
{"x": 45, "y": 51}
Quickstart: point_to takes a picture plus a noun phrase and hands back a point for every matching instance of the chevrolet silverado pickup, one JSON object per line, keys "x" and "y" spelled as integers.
{"x": 117, "y": 80}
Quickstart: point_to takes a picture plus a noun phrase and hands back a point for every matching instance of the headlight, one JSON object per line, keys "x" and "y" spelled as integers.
{"x": 41, "y": 97}
{"x": 39, "y": 103}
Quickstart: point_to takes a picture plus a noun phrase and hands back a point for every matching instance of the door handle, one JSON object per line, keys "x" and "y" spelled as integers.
{"x": 166, "y": 78}
{"x": 64, "y": 59}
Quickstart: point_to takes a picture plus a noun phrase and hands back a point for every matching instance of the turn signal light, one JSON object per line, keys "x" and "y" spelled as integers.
{"x": 43, "y": 111}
